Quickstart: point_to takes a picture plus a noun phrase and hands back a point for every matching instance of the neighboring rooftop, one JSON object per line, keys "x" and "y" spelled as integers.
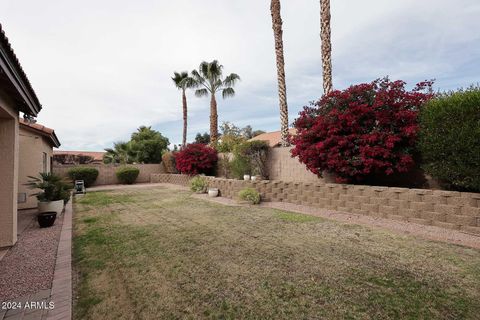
{"x": 273, "y": 138}
{"x": 15, "y": 79}
{"x": 96, "y": 155}
{"x": 42, "y": 130}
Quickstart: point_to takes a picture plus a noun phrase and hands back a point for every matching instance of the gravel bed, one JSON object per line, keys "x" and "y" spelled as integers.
{"x": 29, "y": 265}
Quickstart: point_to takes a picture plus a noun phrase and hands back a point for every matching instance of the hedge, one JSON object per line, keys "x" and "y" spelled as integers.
{"x": 127, "y": 175}
{"x": 87, "y": 174}
{"x": 450, "y": 139}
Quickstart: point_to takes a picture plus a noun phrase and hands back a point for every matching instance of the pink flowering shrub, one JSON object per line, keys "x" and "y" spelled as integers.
{"x": 367, "y": 129}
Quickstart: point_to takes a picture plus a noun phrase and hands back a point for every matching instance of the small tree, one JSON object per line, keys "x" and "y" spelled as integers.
{"x": 367, "y": 129}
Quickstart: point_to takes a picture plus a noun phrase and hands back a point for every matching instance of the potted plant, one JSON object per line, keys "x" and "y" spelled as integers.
{"x": 213, "y": 192}
{"x": 52, "y": 198}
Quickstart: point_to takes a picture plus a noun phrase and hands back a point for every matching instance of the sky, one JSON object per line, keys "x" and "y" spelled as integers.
{"x": 103, "y": 68}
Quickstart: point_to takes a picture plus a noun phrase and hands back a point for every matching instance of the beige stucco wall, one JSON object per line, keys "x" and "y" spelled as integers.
{"x": 8, "y": 171}
{"x": 281, "y": 166}
{"x": 32, "y": 146}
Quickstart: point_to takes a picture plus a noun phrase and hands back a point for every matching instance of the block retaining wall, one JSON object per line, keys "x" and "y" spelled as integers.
{"x": 447, "y": 209}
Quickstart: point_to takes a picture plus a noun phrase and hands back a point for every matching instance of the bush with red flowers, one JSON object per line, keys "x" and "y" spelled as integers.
{"x": 365, "y": 130}
{"x": 196, "y": 158}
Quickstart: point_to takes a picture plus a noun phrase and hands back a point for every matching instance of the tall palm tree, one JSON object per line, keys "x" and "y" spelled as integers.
{"x": 325, "y": 37}
{"x": 282, "y": 89}
{"x": 183, "y": 82}
{"x": 209, "y": 78}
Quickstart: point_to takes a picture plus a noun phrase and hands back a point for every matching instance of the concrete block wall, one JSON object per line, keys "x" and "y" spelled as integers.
{"x": 281, "y": 166}
{"x": 107, "y": 172}
{"x": 446, "y": 209}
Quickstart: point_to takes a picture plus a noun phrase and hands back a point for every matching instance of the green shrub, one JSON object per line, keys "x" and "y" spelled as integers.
{"x": 450, "y": 139}
{"x": 127, "y": 175}
{"x": 249, "y": 194}
{"x": 239, "y": 166}
{"x": 198, "y": 184}
{"x": 87, "y": 174}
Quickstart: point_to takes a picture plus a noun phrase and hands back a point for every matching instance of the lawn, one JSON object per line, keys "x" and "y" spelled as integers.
{"x": 161, "y": 254}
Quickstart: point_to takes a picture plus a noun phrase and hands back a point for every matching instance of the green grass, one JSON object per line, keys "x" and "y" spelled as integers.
{"x": 161, "y": 254}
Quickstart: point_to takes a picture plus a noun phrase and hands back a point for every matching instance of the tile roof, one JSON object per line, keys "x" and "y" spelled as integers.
{"x": 47, "y": 132}
{"x": 10, "y": 54}
{"x": 273, "y": 138}
{"x": 96, "y": 155}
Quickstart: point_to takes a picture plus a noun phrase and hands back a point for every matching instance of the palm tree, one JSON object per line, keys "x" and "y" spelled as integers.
{"x": 282, "y": 89}
{"x": 209, "y": 78}
{"x": 121, "y": 153}
{"x": 325, "y": 36}
{"x": 183, "y": 82}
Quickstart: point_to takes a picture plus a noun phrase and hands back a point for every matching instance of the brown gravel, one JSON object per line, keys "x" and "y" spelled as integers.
{"x": 399, "y": 227}
{"x": 29, "y": 265}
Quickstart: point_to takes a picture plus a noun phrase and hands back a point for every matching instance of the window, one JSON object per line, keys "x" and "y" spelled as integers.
{"x": 45, "y": 164}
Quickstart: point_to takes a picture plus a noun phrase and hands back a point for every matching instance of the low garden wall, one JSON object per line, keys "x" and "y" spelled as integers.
{"x": 447, "y": 209}
{"x": 106, "y": 172}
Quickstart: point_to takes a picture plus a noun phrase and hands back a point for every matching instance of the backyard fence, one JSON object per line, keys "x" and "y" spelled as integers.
{"x": 106, "y": 172}
{"x": 446, "y": 209}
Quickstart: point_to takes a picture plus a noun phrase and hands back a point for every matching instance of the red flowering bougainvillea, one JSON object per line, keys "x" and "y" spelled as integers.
{"x": 196, "y": 158}
{"x": 367, "y": 129}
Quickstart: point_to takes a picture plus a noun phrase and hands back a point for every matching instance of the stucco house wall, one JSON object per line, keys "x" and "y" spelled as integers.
{"x": 9, "y": 170}
{"x": 34, "y": 150}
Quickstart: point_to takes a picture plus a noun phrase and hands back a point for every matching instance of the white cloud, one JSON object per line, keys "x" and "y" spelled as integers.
{"x": 103, "y": 68}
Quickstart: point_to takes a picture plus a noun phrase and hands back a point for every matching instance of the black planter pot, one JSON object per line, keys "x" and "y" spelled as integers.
{"x": 46, "y": 219}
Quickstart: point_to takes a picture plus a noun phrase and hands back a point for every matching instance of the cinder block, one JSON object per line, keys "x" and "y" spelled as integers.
{"x": 446, "y": 225}
{"x": 345, "y": 197}
{"x": 461, "y": 201}
{"x": 420, "y": 221}
{"x": 470, "y": 211}
{"x": 369, "y": 207}
{"x": 433, "y": 216}
{"x": 461, "y": 220}
{"x": 378, "y": 200}
{"x": 361, "y": 199}
{"x": 443, "y": 208}
{"x": 353, "y": 204}
{"x": 421, "y": 206}
{"x": 400, "y": 204}
{"x": 409, "y": 213}
{"x": 435, "y": 199}
{"x": 410, "y": 196}
{"x": 388, "y": 210}
{"x": 338, "y": 203}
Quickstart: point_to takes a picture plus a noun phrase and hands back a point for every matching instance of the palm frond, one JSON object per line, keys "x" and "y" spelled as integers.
{"x": 228, "y": 92}
{"x": 201, "y": 92}
{"x": 231, "y": 80}
{"x": 178, "y": 78}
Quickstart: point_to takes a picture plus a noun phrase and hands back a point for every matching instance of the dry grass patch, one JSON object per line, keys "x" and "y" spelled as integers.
{"x": 161, "y": 254}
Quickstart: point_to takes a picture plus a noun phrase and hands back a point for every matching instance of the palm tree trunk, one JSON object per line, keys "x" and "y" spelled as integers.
{"x": 213, "y": 120}
{"x": 184, "y": 101}
{"x": 325, "y": 36}
{"x": 282, "y": 90}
